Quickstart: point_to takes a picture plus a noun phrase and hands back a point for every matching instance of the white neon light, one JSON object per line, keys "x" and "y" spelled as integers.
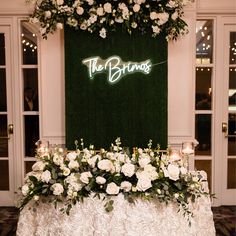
{"x": 115, "y": 67}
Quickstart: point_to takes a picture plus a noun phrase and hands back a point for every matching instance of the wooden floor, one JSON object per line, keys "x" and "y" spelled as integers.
{"x": 224, "y": 218}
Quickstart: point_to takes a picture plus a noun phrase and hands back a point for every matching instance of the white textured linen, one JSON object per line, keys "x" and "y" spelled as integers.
{"x": 144, "y": 218}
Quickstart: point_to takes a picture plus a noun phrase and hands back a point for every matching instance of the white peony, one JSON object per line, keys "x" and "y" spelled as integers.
{"x": 71, "y": 156}
{"x": 25, "y": 189}
{"x": 136, "y": 7}
{"x": 73, "y": 164}
{"x": 46, "y": 176}
{"x": 107, "y": 7}
{"x": 126, "y": 186}
{"x": 105, "y": 165}
{"x": 100, "y": 180}
{"x": 84, "y": 177}
{"x": 173, "y": 172}
{"x": 80, "y": 10}
{"x": 112, "y": 189}
{"x": 128, "y": 169}
{"x": 57, "y": 189}
{"x": 38, "y": 166}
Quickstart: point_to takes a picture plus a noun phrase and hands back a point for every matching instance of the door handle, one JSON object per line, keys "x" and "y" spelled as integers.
{"x": 225, "y": 131}
{"x": 10, "y": 130}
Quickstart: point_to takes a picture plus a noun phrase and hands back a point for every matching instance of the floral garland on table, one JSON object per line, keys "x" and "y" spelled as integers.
{"x": 148, "y": 174}
{"x": 103, "y": 16}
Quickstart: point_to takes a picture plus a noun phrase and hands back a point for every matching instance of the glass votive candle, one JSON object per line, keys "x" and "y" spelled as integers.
{"x": 187, "y": 148}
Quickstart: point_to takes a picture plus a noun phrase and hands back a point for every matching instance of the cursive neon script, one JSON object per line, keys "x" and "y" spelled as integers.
{"x": 115, "y": 67}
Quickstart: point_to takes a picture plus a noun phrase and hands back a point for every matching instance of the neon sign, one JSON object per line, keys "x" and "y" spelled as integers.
{"x": 115, "y": 67}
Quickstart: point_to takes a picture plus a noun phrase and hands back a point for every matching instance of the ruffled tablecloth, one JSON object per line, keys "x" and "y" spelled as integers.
{"x": 144, "y": 218}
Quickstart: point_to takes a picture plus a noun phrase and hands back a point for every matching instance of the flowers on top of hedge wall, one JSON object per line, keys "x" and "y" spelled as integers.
{"x": 104, "y": 16}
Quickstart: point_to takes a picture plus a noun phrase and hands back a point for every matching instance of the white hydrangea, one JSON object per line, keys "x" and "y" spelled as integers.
{"x": 25, "y": 189}
{"x": 71, "y": 156}
{"x": 58, "y": 159}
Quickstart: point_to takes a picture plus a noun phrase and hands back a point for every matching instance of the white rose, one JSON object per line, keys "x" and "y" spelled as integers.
{"x": 100, "y": 11}
{"x": 105, "y": 165}
{"x": 112, "y": 189}
{"x": 173, "y": 172}
{"x": 38, "y": 166}
{"x": 128, "y": 169}
{"x": 73, "y": 164}
{"x": 100, "y": 180}
{"x": 163, "y": 18}
{"x": 143, "y": 161}
{"x": 183, "y": 170}
{"x": 174, "y": 16}
{"x": 134, "y": 25}
{"x": 71, "y": 179}
{"x": 66, "y": 171}
{"x": 136, "y": 7}
{"x": 59, "y": 26}
{"x": 153, "y": 15}
{"x": 60, "y": 2}
{"x": 92, "y": 161}
{"x": 143, "y": 184}
{"x": 80, "y": 10}
{"x": 107, "y": 7}
{"x": 71, "y": 156}
{"x": 126, "y": 186}
{"x": 195, "y": 178}
{"x": 84, "y": 177}
{"x": 171, "y": 4}
{"x": 151, "y": 172}
{"x": 102, "y": 33}
{"x": 57, "y": 159}
{"x": 36, "y": 197}
{"x": 156, "y": 29}
{"x": 46, "y": 176}
{"x": 57, "y": 189}
{"x": 25, "y": 190}
{"x": 47, "y": 14}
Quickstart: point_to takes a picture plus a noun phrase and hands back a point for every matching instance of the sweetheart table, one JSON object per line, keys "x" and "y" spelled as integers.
{"x": 144, "y": 218}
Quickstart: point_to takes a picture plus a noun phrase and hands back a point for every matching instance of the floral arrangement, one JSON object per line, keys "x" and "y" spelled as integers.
{"x": 69, "y": 177}
{"x": 103, "y": 16}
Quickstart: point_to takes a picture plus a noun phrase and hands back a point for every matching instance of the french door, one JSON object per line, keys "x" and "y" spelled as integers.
{"x": 6, "y": 120}
{"x": 229, "y": 116}
{"x": 19, "y": 106}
